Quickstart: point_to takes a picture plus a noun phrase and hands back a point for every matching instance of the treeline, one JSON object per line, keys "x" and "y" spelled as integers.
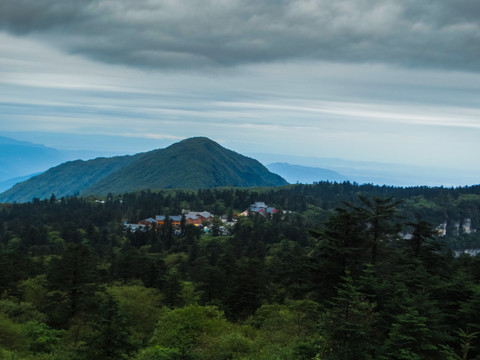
{"x": 332, "y": 278}
{"x": 435, "y": 204}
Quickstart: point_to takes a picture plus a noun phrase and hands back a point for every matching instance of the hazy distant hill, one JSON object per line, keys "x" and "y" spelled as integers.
{"x": 305, "y": 174}
{"x": 21, "y": 158}
{"x": 190, "y": 164}
{"x": 380, "y": 173}
{"x": 7, "y": 184}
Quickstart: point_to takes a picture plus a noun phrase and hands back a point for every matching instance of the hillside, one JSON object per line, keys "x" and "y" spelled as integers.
{"x": 69, "y": 178}
{"x": 190, "y": 164}
{"x": 305, "y": 174}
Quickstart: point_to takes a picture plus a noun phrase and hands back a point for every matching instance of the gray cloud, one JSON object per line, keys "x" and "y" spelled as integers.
{"x": 197, "y": 34}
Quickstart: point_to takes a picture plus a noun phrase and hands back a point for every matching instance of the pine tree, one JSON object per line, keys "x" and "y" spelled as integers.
{"x": 349, "y": 324}
{"x": 73, "y": 277}
{"x": 409, "y": 338}
{"x": 380, "y": 219}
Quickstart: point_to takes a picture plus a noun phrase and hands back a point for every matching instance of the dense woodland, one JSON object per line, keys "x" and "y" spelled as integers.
{"x": 342, "y": 271}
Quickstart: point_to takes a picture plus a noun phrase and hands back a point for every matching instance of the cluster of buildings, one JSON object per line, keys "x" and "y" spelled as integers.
{"x": 197, "y": 218}
{"x": 191, "y": 217}
{"x": 259, "y": 207}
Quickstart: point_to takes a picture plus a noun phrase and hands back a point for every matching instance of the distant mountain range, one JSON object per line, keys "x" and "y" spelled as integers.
{"x": 21, "y": 158}
{"x": 189, "y": 164}
{"x": 305, "y": 174}
{"x": 380, "y": 173}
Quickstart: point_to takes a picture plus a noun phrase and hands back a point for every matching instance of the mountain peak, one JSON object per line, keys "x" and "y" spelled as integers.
{"x": 199, "y": 141}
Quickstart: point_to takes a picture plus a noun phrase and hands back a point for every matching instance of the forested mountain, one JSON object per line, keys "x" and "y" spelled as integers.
{"x": 190, "y": 164}
{"x": 66, "y": 179}
{"x": 339, "y": 272}
{"x": 196, "y": 163}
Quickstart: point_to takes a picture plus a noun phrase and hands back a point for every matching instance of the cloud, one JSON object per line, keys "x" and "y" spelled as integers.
{"x": 195, "y": 35}
{"x": 443, "y": 116}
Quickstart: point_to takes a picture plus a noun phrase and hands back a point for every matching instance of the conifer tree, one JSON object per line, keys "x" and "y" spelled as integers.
{"x": 349, "y": 324}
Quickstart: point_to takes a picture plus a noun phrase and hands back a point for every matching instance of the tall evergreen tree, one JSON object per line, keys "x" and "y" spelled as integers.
{"x": 349, "y": 324}
{"x": 73, "y": 277}
{"x": 382, "y": 226}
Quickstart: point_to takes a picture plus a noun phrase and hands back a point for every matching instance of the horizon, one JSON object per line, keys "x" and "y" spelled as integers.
{"x": 361, "y": 172}
{"x": 383, "y": 82}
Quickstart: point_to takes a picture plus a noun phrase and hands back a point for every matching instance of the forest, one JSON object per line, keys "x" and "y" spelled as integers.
{"x": 341, "y": 271}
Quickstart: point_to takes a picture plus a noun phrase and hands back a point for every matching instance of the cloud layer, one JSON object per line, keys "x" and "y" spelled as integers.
{"x": 194, "y": 34}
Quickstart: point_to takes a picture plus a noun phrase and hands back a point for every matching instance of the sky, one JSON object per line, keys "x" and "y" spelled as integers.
{"x": 367, "y": 80}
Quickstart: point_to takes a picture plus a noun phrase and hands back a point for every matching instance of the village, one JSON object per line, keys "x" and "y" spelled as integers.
{"x": 203, "y": 219}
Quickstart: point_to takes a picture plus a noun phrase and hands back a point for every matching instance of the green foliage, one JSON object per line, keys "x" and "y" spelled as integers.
{"x": 350, "y": 322}
{"x": 421, "y": 238}
{"x": 195, "y": 332}
{"x": 68, "y": 264}
{"x": 41, "y": 338}
{"x": 286, "y": 331}
{"x": 66, "y": 179}
{"x": 159, "y": 353}
{"x": 379, "y": 215}
{"x": 469, "y": 309}
{"x": 11, "y": 337}
{"x": 73, "y": 279}
{"x": 187, "y": 328}
{"x": 409, "y": 337}
{"x": 110, "y": 338}
{"x": 34, "y": 291}
{"x": 466, "y": 344}
{"x": 141, "y": 308}
{"x": 20, "y": 311}
{"x": 190, "y": 164}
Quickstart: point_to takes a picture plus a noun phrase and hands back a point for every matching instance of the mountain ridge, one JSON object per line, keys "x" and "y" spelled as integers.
{"x": 192, "y": 163}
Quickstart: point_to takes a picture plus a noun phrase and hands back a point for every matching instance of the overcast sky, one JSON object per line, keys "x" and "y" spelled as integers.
{"x": 389, "y": 81}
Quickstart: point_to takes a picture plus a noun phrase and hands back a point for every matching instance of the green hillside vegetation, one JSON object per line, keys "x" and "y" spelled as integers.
{"x": 332, "y": 278}
{"x": 190, "y": 164}
{"x": 66, "y": 179}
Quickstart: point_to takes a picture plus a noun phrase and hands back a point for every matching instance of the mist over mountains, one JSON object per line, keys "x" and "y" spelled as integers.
{"x": 305, "y": 174}
{"x": 371, "y": 172}
{"x": 20, "y": 158}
